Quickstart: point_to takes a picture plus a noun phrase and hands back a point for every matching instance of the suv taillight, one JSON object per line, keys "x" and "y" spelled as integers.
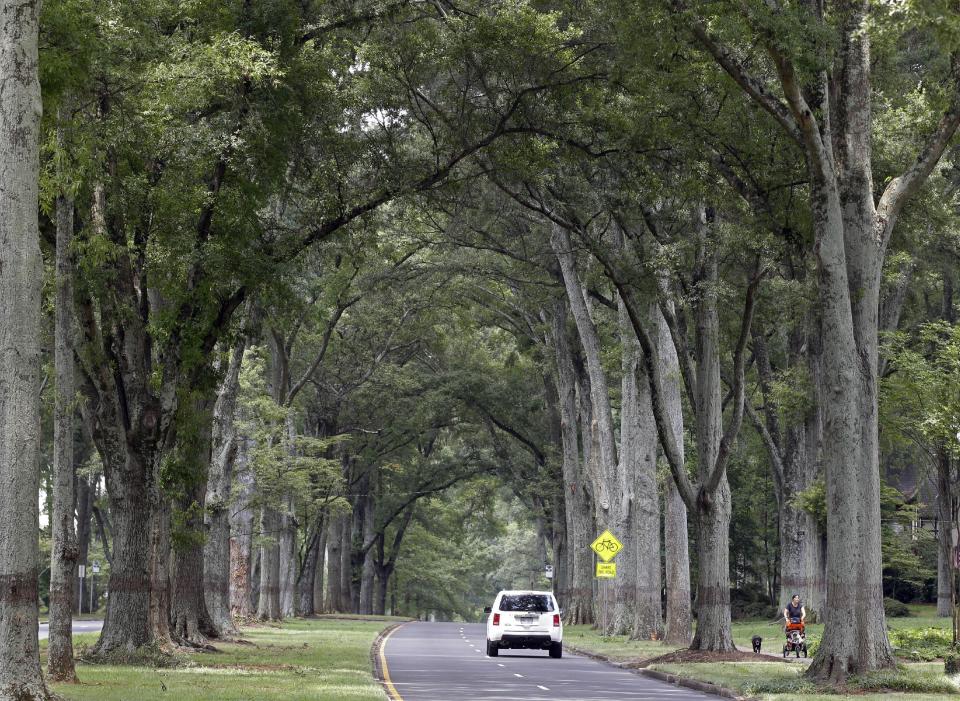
{"x": 556, "y": 620}
{"x": 496, "y": 619}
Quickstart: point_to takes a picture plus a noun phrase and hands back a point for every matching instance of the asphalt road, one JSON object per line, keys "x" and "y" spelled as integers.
{"x": 78, "y": 627}
{"x": 445, "y": 661}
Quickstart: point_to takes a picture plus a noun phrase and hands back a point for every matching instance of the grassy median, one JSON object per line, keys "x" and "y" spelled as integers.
{"x": 919, "y": 640}
{"x": 319, "y": 659}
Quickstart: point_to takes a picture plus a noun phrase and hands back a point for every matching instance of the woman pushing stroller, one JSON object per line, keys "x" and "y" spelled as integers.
{"x": 795, "y": 617}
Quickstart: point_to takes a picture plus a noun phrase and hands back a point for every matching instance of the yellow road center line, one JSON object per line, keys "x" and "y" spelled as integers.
{"x": 387, "y": 682}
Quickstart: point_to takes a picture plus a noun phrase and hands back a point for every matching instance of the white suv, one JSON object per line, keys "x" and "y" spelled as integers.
{"x": 524, "y": 619}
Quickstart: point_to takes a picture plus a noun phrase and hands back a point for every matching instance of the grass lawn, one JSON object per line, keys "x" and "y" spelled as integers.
{"x": 782, "y": 681}
{"x": 323, "y": 659}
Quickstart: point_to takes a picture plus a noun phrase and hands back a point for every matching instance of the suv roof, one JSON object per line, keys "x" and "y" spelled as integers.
{"x": 515, "y": 592}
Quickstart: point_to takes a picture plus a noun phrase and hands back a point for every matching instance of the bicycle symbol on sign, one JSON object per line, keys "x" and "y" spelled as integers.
{"x": 606, "y": 546}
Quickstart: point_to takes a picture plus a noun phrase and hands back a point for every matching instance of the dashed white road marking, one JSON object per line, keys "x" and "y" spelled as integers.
{"x": 542, "y": 687}
{"x": 500, "y": 665}
{"x": 518, "y": 676}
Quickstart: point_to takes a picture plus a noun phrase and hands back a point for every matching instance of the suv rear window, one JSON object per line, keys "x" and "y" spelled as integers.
{"x": 526, "y": 602}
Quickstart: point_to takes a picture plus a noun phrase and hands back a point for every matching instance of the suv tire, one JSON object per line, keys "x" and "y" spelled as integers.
{"x": 492, "y": 649}
{"x": 556, "y": 650}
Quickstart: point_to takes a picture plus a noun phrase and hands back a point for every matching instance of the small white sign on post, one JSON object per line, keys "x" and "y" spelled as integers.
{"x": 548, "y": 571}
{"x": 96, "y": 566}
{"x": 83, "y": 571}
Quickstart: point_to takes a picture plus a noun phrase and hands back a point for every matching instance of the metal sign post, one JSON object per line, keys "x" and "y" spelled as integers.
{"x": 93, "y": 586}
{"x": 83, "y": 574}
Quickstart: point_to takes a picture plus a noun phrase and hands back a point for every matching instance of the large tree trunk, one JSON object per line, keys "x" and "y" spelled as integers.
{"x": 241, "y": 540}
{"x": 311, "y": 565}
{"x": 944, "y": 544}
{"x": 576, "y": 600}
{"x": 287, "y": 548}
{"x": 801, "y": 543}
{"x": 159, "y": 599}
{"x": 367, "y": 573}
{"x": 21, "y": 275}
{"x": 127, "y": 622}
{"x": 383, "y": 583}
{"x": 268, "y": 607}
{"x": 63, "y": 555}
{"x": 319, "y": 580}
{"x": 190, "y": 620}
{"x": 678, "y": 616}
{"x": 855, "y": 637}
{"x": 637, "y": 607}
{"x": 216, "y": 549}
{"x": 611, "y": 492}
{"x": 85, "y": 497}
{"x": 334, "y": 563}
{"x": 347, "y": 602}
{"x": 713, "y": 508}
{"x": 794, "y": 455}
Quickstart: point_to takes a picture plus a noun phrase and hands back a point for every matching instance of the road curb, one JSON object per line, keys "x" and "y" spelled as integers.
{"x": 686, "y": 682}
{"x": 380, "y": 673}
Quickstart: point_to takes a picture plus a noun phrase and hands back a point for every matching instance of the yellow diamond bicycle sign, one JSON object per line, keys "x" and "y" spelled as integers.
{"x": 606, "y": 546}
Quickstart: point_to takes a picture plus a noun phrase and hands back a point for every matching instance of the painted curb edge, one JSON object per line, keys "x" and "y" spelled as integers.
{"x": 376, "y": 658}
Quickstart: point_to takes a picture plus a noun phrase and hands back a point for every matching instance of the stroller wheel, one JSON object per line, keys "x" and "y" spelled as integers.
{"x": 786, "y": 650}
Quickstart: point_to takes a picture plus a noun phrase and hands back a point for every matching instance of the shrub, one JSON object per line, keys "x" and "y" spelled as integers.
{"x": 951, "y": 663}
{"x": 895, "y": 609}
{"x": 922, "y": 644}
{"x": 797, "y": 686}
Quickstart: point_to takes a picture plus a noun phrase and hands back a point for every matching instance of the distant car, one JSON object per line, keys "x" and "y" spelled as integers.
{"x": 527, "y": 620}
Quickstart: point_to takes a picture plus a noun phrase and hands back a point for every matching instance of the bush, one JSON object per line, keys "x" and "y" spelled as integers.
{"x": 923, "y": 645}
{"x": 798, "y": 686}
{"x": 951, "y": 663}
{"x": 895, "y": 609}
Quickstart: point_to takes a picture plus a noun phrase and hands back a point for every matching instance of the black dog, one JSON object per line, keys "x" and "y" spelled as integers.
{"x": 757, "y": 642}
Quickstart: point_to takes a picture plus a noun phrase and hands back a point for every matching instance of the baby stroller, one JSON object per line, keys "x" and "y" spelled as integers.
{"x": 796, "y": 638}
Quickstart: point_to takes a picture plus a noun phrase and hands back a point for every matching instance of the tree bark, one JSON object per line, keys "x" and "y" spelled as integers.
{"x": 334, "y": 602}
{"x": 319, "y": 580}
{"x": 268, "y": 608}
{"x": 713, "y": 509}
{"x": 368, "y": 573}
{"x": 945, "y": 572}
{"x": 576, "y": 601}
{"x": 21, "y": 275}
{"x": 347, "y": 603}
{"x": 127, "y": 622}
{"x": 311, "y": 565}
{"x": 609, "y": 488}
{"x": 85, "y": 497}
{"x": 64, "y": 550}
{"x": 287, "y": 549}
{"x": 216, "y": 550}
{"x": 678, "y": 616}
{"x": 637, "y": 608}
{"x": 158, "y": 598}
{"x": 241, "y": 540}
{"x": 190, "y": 620}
